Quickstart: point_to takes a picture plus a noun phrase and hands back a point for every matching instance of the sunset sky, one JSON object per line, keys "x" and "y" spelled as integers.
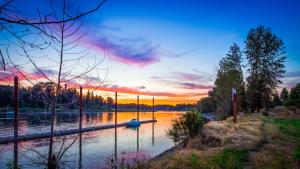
{"x": 170, "y": 49}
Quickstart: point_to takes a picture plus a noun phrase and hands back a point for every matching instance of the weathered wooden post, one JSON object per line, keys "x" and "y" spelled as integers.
{"x": 234, "y": 105}
{"x": 80, "y": 109}
{"x": 80, "y": 127}
{"x": 116, "y": 122}
{"x": 152, "y": 133}
{"x": 16, "y": 119}
{"x": 138, "y": 109}
{"x": 153, "y": 108}
{"x": 138, "y": 139}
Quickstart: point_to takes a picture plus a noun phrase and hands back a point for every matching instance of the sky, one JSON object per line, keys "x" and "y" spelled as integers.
{"x": 170, "y": 49}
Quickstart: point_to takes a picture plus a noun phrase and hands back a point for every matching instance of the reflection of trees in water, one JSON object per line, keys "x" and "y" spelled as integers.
{"x": 109, "y": 117}
{"x": 67, "y": 118}
{"x": 35, "y": 155}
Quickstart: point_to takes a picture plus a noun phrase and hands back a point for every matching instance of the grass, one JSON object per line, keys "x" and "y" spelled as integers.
{"x": 230, "y": 159}
{"x": 256, "y": 141}
{"x": 288, "y": 127}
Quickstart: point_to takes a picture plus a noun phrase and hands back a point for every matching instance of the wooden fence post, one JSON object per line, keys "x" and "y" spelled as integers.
{"x": 116, "y": 122}
{"x": 16, "y": 119}
{"x": 80, "y": 109}
{"x": 153, "y": 108}
{"x": 80, "y": 127}
{"x": 234, "y": 105}
{"x": 138, "y": 108}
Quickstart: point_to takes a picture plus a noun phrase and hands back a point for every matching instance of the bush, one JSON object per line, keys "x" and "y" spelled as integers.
{"x": 292, "y": 102}
{"x": 187, "y": 126}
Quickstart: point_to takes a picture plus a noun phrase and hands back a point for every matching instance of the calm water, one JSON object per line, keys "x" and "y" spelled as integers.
{"x": 98, "y": 147}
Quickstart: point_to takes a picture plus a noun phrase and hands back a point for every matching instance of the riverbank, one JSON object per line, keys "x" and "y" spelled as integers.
{"x": 255, "y": 141}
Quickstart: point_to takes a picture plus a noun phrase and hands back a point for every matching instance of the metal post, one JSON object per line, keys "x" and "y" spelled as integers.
{"x": 80, "y": 127}
{"x": 153, "y": 108}
{"x": 138, "y": 108}
{"x": 16, "y": 112}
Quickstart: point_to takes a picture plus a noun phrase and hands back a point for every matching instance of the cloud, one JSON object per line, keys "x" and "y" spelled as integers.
{"x": 131, "y": 51}
{"x": 133, "y": 90}
{"x": 196, "y": 81}
{"x": 89, "y": 84}
{"x": 194, "y": 86}
{"x": 189, "y": 76}
{"x": 292, "y": 74}
{"x": 8, "y": 76}
{"x": 290, "y": 79}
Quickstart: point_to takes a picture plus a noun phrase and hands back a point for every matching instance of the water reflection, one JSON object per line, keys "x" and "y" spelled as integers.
{"x": 94, "y": 148}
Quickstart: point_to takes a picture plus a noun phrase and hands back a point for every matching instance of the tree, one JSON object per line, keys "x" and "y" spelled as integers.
{"x": 294, "y": 98}
{"x": 229, "y": 75}
{"x": 276, "y": 99}
{"x": 59, "y": 36}
{"x": 295, "y": 92}
{"x": 265, "y": 53}
{"x": 284, "y": 95}
{"x": 110, "y": 103}
{"x": 206, "y": 104}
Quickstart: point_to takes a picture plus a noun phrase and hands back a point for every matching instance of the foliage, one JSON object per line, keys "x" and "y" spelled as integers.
{"x": 284, "y": 94}
{"x": 265, "y": 53}
{"x": 276, "y": 100}
{"x": 206, "y": 104}
{"x": 294, "y": 97}
{"x": 297, "y": 154}
{"x": 187, "y": 126}
{"x": 229, "y": 75}
{"x": 292, "y": 102}
{"x": 38, "y": 96}
{"x": 295, "y": 92}
{"x": 230, "y": 159}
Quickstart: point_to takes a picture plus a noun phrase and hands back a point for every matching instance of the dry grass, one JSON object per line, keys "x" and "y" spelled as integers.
{"x": 226, "y": 145}
{"x": 222, "y": 134}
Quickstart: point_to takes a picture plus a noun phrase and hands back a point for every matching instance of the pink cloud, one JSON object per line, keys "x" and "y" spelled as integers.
{"x": 137, "y": 52}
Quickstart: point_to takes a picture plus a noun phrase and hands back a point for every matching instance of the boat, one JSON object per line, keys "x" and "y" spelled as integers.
{"x": 133, "y": 123}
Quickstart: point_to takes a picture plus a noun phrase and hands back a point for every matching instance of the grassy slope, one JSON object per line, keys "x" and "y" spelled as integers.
{"x": 267, "y": 142}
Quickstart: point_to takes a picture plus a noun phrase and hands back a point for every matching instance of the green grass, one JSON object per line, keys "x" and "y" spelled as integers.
{"x": 289, "y": 127}
{"x": 296, "y": 154}
{"x": 230, "y": 159}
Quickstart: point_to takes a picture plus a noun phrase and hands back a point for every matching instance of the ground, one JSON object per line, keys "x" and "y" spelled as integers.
{"x": 269, "y": 141}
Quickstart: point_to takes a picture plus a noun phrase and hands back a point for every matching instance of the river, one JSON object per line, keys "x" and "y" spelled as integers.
{"x": 98, "y": 147}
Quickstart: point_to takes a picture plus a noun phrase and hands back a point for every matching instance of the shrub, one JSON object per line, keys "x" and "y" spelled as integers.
{"x": 187, "y": 126}
{"x": 292, "y": 102}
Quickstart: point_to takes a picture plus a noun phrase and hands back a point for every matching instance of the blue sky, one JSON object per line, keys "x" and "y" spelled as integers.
{"x": 175, "y": 46}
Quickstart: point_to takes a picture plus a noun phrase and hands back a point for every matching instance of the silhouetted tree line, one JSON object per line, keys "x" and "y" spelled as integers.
{"x": 161, "y": 107}
{"x": 38, "y": 96}
{"x": 292, "y": 99}
{"x": 264, "y": 53}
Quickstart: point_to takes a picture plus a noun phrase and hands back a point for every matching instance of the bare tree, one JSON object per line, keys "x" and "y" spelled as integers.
{"x": 61, "y": 38}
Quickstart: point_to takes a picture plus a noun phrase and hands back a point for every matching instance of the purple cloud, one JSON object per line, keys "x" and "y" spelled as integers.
{"x": 189, "y": 76}
{"x": 194, "y": 86}
{"x": 131, "y": 51}
{"x": 292, "y": 74}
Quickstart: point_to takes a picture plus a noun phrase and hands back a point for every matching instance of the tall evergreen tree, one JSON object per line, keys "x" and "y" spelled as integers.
{"x": 265, "y": 53}
{"x": 295, "y": 92}
{"x": 229, "y": 76}
{"x": 284, "y": 95}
